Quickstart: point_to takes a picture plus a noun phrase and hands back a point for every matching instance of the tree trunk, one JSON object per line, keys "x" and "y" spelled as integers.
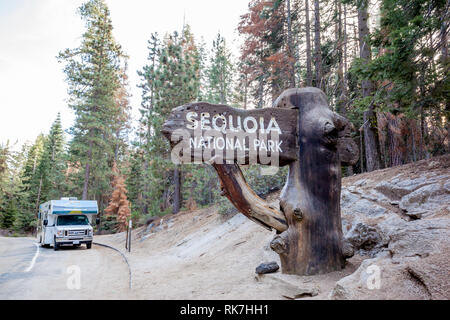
{"x": 308, "y": 46}
{"x": 395, "y": 139}
{"x": 445, "y": 16}
{"x": 146, "y": 188}
{"x": 245, "y": 91}
{"x": 317, "y": 49}
{"x": 341, "y": 92}
{"x": 290, "y": 46}
{"x": 364, "y": 47}
{"x": 116, "y": 147}
{"x": 371, "y": 139}
{"x": 309, "y": 237}
{"x": 345, "y": 39}
{"x": 177, "y": 194}
{"x": 260, "y": 94}
{"x": 310, "y": 200}
{"x": 87, "y": 170}
{"x": 38, "y": 195}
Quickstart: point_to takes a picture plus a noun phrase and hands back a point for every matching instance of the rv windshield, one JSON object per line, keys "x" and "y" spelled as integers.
{"x": 72, "y": 220}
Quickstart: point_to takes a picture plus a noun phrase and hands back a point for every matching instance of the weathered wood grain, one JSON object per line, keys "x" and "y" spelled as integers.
{"x": 285, "y": 120}
{"x": 310, "y": 200}
{"x": 316, "y": 142}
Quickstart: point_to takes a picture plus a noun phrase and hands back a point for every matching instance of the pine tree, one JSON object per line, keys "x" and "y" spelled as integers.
{"x": 122, "y": 113}
{"x": 142, "y": 156}
{"x": 4, "y": 175}
{"x": 12, "y": 186}
{"x": 265, "y": 54}
{"x": 119, "y": 206}
{"x": 93, "y": 74}
{"x": 172, "y": 79}
{"x": 51, "y": 170}
{"x": 10, "y": 214}
{"x": 220, "y": 73}
{"x": 32, "y": 176}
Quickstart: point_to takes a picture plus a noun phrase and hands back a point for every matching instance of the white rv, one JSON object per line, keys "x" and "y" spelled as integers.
{"x": 66, "y": 222}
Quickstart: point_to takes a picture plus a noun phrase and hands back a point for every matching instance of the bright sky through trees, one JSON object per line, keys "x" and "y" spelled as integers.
{"x": 32, "y": 32}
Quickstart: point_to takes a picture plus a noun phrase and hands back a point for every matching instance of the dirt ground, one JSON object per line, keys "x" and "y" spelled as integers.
{"x": 200, "y": 255}
{"x": 203, "y": 255}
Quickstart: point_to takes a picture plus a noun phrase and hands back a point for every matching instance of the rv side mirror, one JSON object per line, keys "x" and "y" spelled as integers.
{"x": 97, "y": 221}
{"x": 45, "y": 222}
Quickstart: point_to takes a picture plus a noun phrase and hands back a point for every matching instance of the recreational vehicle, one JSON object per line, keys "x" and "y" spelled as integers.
{"x": 66, "y": 222}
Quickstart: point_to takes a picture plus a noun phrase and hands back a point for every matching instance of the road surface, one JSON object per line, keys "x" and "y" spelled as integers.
{"x": 28, "y": 271}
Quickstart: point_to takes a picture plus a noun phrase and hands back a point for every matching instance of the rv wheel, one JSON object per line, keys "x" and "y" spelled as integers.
{"x": 55, "y": 245}
{"x": 88, "y": 245}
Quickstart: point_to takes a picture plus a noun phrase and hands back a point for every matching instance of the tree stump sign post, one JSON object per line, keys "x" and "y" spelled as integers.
{"x": 300, "y": 131}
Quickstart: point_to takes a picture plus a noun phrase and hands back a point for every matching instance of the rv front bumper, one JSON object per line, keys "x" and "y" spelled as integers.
{"x": 71, "y": 241}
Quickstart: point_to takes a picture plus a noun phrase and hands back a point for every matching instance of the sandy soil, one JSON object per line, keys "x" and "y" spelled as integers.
{"x": 200, "y": 255}
{"x": 203, "y": 255}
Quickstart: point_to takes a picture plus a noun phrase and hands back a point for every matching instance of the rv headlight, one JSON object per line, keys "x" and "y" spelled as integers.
{"x": 60, "y": 233}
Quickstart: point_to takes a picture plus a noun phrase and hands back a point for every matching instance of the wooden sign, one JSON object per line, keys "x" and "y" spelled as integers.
{"x": 203, "y": 132}
{"x": 301, "y": 131}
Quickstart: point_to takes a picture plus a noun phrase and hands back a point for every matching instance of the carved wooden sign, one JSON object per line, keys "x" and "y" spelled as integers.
{"x": 203, "y": 132}
{"x": 300, "y": 131}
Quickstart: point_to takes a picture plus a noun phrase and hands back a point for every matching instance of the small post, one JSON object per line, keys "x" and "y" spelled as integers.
{"x": 130, "y": 225}
{"x": 126, "y": 240}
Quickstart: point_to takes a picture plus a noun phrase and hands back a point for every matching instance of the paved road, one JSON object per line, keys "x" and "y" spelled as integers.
{"x": 28, "y": 271}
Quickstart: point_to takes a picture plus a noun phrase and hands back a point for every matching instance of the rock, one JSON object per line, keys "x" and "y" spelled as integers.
{"x": 302, "y": 293}
{"x": 432, "y": 272}
{"x": 361, "y": 182}
{"x": 393, "y": 191}
{"x": 416, "y": 265}
{"x": 267, "y": 267}
{"x": 352, "y": 204}
{"x": 365, "y": 238}
{"x": 419, "y": 238}
{"x": 375, "y": 196}
{"x": 291, "y": 286}
{"x": 403, "y": 224}
{"x": 426, "y": 200}
{"x": 348, "y": 198}
{"x": 409, "y": 184}
{"x": 347, "y": 249}
{"x": 390, "y": 225}
{"x": 379, "y": 279}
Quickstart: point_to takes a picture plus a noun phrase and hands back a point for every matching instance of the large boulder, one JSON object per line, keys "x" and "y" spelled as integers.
{"x": 400, "y": 219}
{"x": 416, "y": 265}
{"x": 365, "y": 239}
{"x": 419, "y": 238}
{"x": 425, "y": 200}
{"x": 379, "y": 278}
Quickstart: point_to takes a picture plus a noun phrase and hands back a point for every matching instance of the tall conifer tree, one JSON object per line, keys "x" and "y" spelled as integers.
{"x": 93, "y": 74}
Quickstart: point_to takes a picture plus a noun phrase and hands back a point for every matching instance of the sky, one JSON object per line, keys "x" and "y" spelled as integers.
{"x": 32, "y": 32}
